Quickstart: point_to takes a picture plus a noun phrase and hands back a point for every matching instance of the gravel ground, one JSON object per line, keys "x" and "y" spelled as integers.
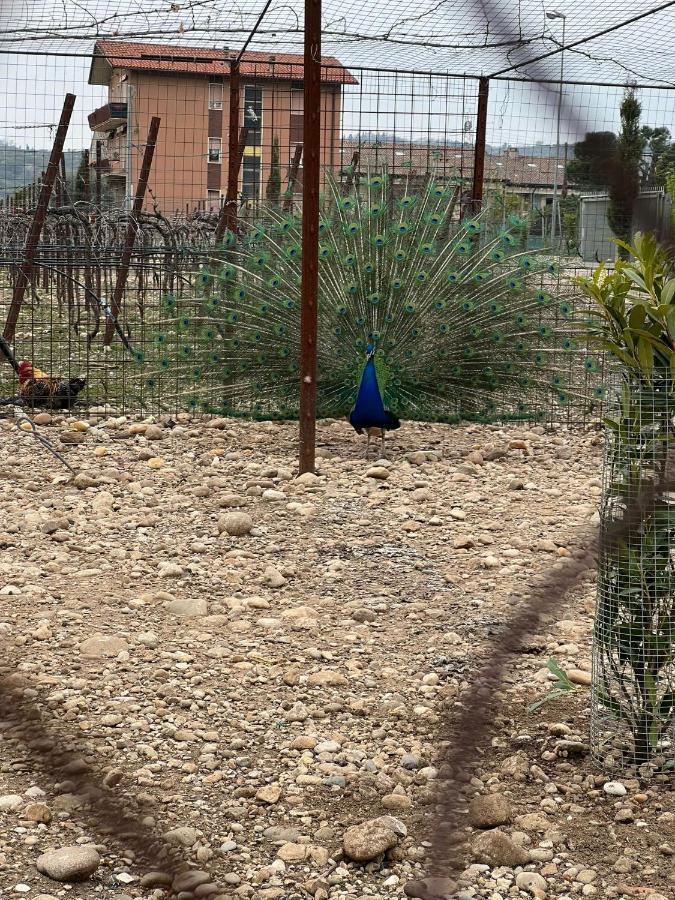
{"x": 259, "y": 660}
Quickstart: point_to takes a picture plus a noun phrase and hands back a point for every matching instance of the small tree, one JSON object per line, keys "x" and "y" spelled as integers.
{"x": 657, "y": 145}
{"x": 273, "y": 192}
{"x": 624, "y": 186}
{"x": 593, "y": 161}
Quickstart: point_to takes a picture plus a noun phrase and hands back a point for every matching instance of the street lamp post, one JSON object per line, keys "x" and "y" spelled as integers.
{"x": 554, "y": 14}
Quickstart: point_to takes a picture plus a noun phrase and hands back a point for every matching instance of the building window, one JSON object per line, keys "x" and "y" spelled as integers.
{"x": 297, "y": 111}
{"x": 215, "y": 95}
{"x": 253, "y": 115}
{"x": 215, "y": 150}
{"x": 251, "y": 178}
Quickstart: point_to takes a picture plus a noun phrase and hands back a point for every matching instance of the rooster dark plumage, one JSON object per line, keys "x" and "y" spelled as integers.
{"x": 36, "y": 388}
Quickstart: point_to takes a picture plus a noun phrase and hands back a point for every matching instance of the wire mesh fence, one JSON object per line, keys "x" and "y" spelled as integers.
{"x": 633, "y": 694}
{"x": 512, "y": 147}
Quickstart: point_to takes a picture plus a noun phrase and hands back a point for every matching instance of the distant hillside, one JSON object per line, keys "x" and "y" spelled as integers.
{"x": 20, "y": 166}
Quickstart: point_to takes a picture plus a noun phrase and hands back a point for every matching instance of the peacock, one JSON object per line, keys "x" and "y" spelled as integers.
{"x": 422, "y": 314}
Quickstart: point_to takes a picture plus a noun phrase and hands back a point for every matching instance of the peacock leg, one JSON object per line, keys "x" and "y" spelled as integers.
{"x": 367, "y": 442}
{"x": 382, "y": 439}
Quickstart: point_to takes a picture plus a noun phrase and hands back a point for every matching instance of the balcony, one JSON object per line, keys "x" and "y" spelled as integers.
{"x": 108, "y": 117}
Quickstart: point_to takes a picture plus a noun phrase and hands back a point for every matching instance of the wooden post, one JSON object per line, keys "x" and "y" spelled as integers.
{"x": 293, "y": 177}
{"x": 479, "y": 151}
{"x": 236, "y": 142}
{"x": 38, "y": 222}
{"x": 132, "y": 228}
{"x": 311, "y": 142}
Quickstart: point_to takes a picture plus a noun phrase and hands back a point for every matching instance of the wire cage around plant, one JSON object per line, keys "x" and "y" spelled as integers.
{"x": 633, "y": 687}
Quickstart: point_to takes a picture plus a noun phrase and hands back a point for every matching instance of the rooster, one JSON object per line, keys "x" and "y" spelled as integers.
{"x": 36, "y": 388}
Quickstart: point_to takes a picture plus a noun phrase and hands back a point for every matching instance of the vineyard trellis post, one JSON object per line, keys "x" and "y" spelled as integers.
{"x": 33, "y": 239}
{"x": 480, "y": 146}
{"x": 132, "y": 227}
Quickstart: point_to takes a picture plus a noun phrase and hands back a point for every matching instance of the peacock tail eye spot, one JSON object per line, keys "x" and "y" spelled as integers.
{"x": 208, "y": 333}
{"x": 169, "y": 301}
{"x": 351, "y": 289}
{"x": 184, "y": 323}
{"x": 374, "y": 299}
{"x": 475, "y": 331}
{"x": 443, "y": 328}
{"x": 409, "y": 307}
{"x": 139, "y": 356}
{"x": 292, "y": 251}
{"x": 421, "y": 277}
{"x": 497, "y": 255}
{"x": 521, "y": 320}
{"x": 348, "y": 260}
{"x": 514, "y": 284}
{"x": 259, "y": 260}
{"x": 497, "y": 337}
{"x": 599, "y": 392}
{"x": 526, "y": 263}
{"x": 193, "y": 403}
{"x": 463, "y": 248}
{"x": 257, "y": 233}
{"x": 472, "y": 226}
{"x": 468, "y": 353}
{"x": 566, "y": 309}
{"x": 375, "y": 210}
{"x": 557, "y": 381}
{"x": 196, "y": 373}
{"x": 407, "y": 202}
{"x": 438, "y": 191}
{"x": 228, "y": 273}
{"x": 352, "y": 228}
{"x": 214, "y": 358}
{"x": 342, "y": 310}
{"x": 151, "y": 382}
{"x": 400, "y": 256}
{"x": 274, "y": 282}
{"x": 542, "y": 298}
{"x": 516, "y": 221}
{"x": 495, "y": 307}
{"x": 368, "y": 268}
{"x": 324, "y": 226}
{"x": 288, "y": 304}
{"x": 402, "y": 228}
{"x": 262, "y": 309}
{"x": 545, "y": 331}
{"x": 346, "y": 204}
{"x": 377, "y": 181}
{"x": 553, "y": 268}
{"x": 563, "y": 397}
{"x": 569, "y": 344}
{"x": 389, "y": 317}
{"x": 434, "y": 219}
{"x": 279, "y": 330}
{"x": 204, "y": 278}
{"x": 591, "y": 365}
{"x": 324, "y": 252}
{"x": 360, "y": 321}
{"x": 468, "y": 306}
{"x": 539, "y": 359}
{"x": 508, "y": 239}
{"x": 186, "y": 351}
{"x": 481, "y": 277}
{"x": 440, "y": 305}
{"x": 160, "y": 339}
{"x": 427, "y": 248}
{"x": 453, "y": 277}
{"x": 164, "y": 363}
{"x": 232, "y": 318}
{"x": 229, "y": 239}
{"x": 396, "y": 284}
{"x": 378, "y": 240}
{"x": 240, "y": 293}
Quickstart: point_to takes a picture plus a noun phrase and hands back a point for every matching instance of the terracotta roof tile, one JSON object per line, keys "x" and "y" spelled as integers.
{"x": 203, "y": 61}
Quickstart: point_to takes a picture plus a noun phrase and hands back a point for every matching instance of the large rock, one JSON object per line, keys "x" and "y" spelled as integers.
{"x": 186, "y": 607}
{"x": 369, "y": 840}
{"x": 236, "y": 524}
{"x": 102, "y": 646}
{"x": 494, "y": 848}
{"x": 69, "y": 864}
{"x": 489, "y": 810}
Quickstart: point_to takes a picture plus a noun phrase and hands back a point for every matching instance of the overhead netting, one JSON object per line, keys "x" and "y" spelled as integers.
{"x": 608, "y": 43}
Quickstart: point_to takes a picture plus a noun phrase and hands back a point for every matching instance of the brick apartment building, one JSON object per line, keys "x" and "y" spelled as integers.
{"x": 188, "y": 88}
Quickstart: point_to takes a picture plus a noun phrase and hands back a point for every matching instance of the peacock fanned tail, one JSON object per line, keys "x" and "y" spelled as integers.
{"x": 465, "y": 324}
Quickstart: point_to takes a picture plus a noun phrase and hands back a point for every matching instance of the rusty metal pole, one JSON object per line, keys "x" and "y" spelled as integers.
{"x": 33, "y": 238}
{"x": 479, "y": 152}
{"x": 228, "y": 214}
{"x": 311, "y": 142}
{"x": 132, "y": 228}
